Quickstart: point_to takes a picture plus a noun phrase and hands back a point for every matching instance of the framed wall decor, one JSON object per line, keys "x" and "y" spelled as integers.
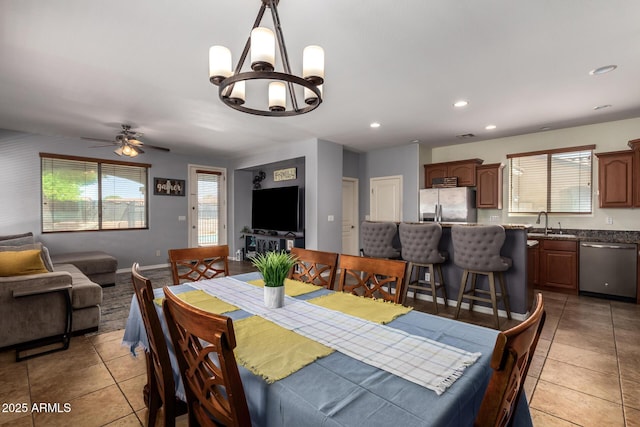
{"x": 168, "y": 187}
{"x": 284, "y": 174}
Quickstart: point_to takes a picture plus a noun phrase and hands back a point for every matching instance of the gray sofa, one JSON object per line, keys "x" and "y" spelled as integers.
{"x": 42, "y": 314}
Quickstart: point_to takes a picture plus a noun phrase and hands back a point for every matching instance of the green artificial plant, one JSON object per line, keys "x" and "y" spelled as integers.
{"x": 274, "y": 267}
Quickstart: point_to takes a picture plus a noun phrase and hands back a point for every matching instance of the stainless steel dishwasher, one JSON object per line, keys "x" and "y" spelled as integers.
{"x": 608, "y": 269}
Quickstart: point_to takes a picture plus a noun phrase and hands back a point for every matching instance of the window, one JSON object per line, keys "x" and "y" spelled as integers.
{"x": 555, "y": 181}
{"x": 81, "y": 194}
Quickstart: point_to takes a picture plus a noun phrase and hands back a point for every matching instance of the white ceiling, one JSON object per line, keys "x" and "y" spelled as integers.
{"x": 81, "y": 68}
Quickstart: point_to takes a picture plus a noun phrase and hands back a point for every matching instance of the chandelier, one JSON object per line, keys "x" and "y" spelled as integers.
{"x": 261, "y": 42}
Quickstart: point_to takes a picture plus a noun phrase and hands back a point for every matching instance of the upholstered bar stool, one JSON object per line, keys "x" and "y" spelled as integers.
{"x": 377, "y": 239}
{"x": 420, "y": 249}
{"x": 476, "y": 249}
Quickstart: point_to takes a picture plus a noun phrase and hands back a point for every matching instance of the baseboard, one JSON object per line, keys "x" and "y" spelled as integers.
{"x": 465, "y": 306}
{"x": 146, "y": 267}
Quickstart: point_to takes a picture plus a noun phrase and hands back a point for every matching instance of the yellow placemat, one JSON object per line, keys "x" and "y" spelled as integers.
{"x": 204, "y": 301}
{"x": 374, "y": 310}
{"x": 271, "y": 351}
{"x": 292, "y": 288}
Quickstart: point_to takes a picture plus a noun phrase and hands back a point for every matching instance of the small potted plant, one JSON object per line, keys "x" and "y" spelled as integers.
{"x": 274, "y": 268}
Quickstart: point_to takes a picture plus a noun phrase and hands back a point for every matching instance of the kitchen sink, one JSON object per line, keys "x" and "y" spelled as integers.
{"x": 553, "y": 235}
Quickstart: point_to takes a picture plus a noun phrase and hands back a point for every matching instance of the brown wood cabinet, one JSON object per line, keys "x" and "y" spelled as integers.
{"x": 635, "y": 146}
{"x": 464, "y": 170}
{"x": 489, "y": 186}
{"x": 558, "y": 265}
{"x": 615, "y": 179}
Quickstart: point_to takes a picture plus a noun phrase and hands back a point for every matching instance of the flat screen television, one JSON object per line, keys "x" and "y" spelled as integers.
{"x": 275, "y": 209}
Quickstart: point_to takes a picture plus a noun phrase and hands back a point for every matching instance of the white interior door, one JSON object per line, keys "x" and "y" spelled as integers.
{"x": 207, "y": 206}
{"x": 350, "y": 216}
{"x": 386, "y": 199}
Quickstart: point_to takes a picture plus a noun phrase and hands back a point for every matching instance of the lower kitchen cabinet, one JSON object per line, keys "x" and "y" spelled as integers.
{"x": 558, "y": 265}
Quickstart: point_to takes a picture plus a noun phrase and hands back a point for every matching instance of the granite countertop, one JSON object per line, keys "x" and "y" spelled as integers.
{"x": 604, "y": 236}
{"x": 506, "y": 226}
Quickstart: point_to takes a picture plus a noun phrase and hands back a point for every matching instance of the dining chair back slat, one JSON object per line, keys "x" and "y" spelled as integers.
{"x": 368, "y": 277}
{"x": 315, "y": 267}
{"x": 512, "y": 355}
{"x": 193, "y": 264}
{"x": 160, "y": 388}
{"x": 204, "y": 344}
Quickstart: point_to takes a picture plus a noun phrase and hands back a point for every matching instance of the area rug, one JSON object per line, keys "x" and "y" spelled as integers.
{"x": 116, "y": 300}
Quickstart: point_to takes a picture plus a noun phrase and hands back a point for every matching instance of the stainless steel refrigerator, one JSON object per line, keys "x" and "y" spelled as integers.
{"x": 456, "y": 204}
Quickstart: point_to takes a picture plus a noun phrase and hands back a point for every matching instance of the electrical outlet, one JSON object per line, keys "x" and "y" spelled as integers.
{"x": 609, "y": 220}
{"x": 427, "y": 276}
{"x": 157, "y": 253}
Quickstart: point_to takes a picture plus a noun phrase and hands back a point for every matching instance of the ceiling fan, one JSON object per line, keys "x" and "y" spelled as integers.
{"x": 127, "y": 143}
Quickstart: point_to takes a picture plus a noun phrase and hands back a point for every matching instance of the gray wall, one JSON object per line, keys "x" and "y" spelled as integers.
{"x": 322, "y": 192}
{"x": 403, "y": 160}
{"x": 20, "y": 199}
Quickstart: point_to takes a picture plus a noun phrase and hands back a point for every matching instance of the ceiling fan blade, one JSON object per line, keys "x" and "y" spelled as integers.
{"x": 97, "y": 139}
{"x": 156, "y": 147}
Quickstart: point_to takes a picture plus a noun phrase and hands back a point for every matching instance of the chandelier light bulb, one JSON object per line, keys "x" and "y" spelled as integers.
{"x": 310, "y": 96}
{"x": 219, "y": 64}
{"x": 313, "y": 64}
{"x": 126, "y": 150}
{"x": 277, "y": 96}
{"x": 263, "y": 49}
{"x": 133, "y": 153}
{"x": 238, "y": 93}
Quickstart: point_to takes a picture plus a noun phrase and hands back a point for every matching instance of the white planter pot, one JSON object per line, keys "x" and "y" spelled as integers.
{"x": 273, "y": 296}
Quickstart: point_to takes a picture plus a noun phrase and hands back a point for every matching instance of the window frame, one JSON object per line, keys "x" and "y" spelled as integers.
{"x": 549, "y": 153}
{"x": 99, "y": 163}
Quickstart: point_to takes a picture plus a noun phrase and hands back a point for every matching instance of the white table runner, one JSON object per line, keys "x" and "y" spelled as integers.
{"x": 420, "y": 360}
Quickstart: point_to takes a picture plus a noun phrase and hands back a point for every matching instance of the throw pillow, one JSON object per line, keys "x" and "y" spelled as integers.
{"x": 46, "y": 259}
{"x": 17, "y": 239}
{"x": 18, "y": 263}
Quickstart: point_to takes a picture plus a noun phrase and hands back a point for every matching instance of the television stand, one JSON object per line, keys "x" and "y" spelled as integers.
{"x": 258, "y": 243}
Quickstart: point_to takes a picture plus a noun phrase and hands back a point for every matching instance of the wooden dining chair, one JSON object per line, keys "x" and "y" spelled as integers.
{"x": 368, "y": 277}
{"x": 512, "y": 355}
{"x": 315, "y": 267}
{"x": 204, "y": 344}
{"x": 193, "y": 264}
{"x": 160, "y": 388}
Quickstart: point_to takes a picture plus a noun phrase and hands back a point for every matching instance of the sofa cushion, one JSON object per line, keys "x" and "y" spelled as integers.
{"x": 92, "y": 262}
{"x": 85, "y": 293}
{"x": 18, "y": 263}
{"x": 44, "y": 254}
{"x": 17, "y": 239}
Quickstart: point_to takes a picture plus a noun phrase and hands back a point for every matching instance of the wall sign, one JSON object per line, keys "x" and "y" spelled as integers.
{"x": 168, "y": 187}
{"x": 284, "y": 174}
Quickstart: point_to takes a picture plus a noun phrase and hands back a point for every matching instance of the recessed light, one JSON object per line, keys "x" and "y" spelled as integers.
{"x": 545, "y": 128}
{"x": 602, "y": 70}
{"x": 415, "y": 141}
{"x": 490, "y": 127}
{"x": 602, "y": 107}
{"x": 461, "y": 103}
{"x": 375, "y": 125}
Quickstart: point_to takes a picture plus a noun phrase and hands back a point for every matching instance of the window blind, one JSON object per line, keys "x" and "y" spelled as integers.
{"x": 557, "y": 181}
{"x": 81, "y": 194}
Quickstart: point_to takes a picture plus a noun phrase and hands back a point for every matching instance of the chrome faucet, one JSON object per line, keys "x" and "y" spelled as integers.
{"x": 546, "y": 221}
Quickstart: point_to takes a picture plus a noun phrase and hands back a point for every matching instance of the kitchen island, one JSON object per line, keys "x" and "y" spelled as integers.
{"x": 519, "y": 289}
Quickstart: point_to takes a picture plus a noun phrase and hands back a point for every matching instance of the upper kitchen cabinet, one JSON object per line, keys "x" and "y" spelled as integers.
{"x": 635, "y": 146}
{"x": 464, "y": 170}
{"x": 489, "y": 186}
{"x": 615, "y": 179}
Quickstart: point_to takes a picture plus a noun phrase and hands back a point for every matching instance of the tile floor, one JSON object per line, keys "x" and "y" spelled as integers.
{"x": 585, "y": 372}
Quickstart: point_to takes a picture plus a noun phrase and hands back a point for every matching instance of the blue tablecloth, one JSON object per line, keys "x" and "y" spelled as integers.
{"x": 340, "y": 391}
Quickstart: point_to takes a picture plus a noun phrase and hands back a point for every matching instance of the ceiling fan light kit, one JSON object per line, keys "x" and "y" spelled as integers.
{"x": 262, "y": 44}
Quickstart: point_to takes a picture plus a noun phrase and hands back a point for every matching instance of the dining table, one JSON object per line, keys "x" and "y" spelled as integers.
{"x": 340, "y": 382}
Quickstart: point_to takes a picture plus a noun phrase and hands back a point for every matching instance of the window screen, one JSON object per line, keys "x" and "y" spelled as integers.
{"x": 88, "y": 194}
